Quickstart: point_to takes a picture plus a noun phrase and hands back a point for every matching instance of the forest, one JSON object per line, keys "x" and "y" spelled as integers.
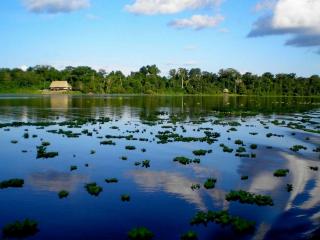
{"x": 148, "y": 80}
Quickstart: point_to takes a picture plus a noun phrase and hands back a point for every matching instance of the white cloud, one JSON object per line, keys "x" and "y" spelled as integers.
{"x": 300, "y": 19}
{"x": 297, "y": 14}
{"x": 55, "y": 6}
{"x": 152, "y": 7}
{"x": 265, "y": 5}
{"x": 197, "y": 22}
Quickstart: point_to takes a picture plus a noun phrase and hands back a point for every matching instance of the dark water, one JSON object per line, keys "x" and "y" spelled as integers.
{"x": 161, "y": 196}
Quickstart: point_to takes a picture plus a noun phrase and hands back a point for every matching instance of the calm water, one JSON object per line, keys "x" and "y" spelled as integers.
{"x": 161, "y": 196}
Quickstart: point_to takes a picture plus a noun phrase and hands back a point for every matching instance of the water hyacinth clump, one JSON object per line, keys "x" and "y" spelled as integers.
{"x": 12, "y": 183}
{"x": 130, "y": 147}
{"x": 297, "y": 148}
{"x": 224, "y": 218}
{"x": 20, "y": 229}
{"x": 63, "y": 194}
{"x": 73, "y": 168}
{"x": 200, "y": 152}
{"x": 140, "y": 233}
{"x": 93, "y": 189}
{"x": 125, "y": 198}
{"x": 190, "y": 235}
{"x": 111, "y": 180}
{"x": 250, "y": 198}
{"x": 281, "y": 172}
{"x": 210, "y": 183}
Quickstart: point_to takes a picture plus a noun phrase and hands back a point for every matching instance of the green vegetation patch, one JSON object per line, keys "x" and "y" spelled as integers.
{"x": 140, "y": 233}
{"x": 210, "y": 183}
{"x": 63, "y": 194}
{"x": 93, "y": 189}
{"x": 250, "y": 198}
{"x": 190, "y": 235}
{"x": 12, "y": 183}
{"x": 20, "y": 229}
{"x": 111, "y": 180}
{"x": 281, "y": 172}
{"x": 200, "y": 152}
{"x": 223, "y": 218}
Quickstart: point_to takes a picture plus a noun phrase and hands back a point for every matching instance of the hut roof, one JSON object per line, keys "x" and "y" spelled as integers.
{"x": 60, "y": 84}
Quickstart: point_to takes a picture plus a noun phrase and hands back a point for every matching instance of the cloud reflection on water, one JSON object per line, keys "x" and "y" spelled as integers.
{"x": 55, "y": 181}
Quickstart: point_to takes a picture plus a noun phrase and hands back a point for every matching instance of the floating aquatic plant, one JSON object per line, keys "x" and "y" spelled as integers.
{"x": 297, "y": 148}
{"x": 63, "y": 194}
{"x": 281, "y": 172}
{"x": 130, "y": 147}
{"x": 200, "y": 152}
{"x": 253, "y": 146}
{"x": 250, "y": 198}
{"x": 190, "y": 235}
{"x": 73, "y": 168}
{"x": 146, "y": 163}
{"x": 20, "y": 229}
{"x": 93, "y": 189}
{"x": 111, "y": 180}
{"x": 195, "y": 186}
{"x": 140, "y": 233}
{"x": 125, "y": 198}
{"x": 224, "y": 218}
{"x": 314, "y": 168}
{"x": 210, "y": 183}
{"x": 12, "y": 183}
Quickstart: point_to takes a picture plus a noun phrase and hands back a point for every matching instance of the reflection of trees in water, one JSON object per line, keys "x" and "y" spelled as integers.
{"x": 47, "y": 107}
{"x": 55, "y": 181}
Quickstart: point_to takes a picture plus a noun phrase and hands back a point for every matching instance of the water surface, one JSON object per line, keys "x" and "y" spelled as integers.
{"x": 161, "y": 196}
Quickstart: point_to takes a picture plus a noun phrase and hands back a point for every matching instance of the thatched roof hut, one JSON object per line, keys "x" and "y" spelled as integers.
{"x": 226, "y": 91}
{"x": 60, "y": 86}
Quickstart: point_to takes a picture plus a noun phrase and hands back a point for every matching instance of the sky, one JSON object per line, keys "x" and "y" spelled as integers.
{"x": 278, "y": 36}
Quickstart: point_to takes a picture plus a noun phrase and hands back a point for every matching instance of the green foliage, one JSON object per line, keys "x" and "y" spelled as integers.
{"x": 238, "y": 224}
{"x": 148, "y": 80}
{"x": 210, "y": 183}
{"x": 250, "y": 198}
{"x": 93, "y": 189}
{"x": 140, "y": 233}
{"x": 189, "y": 236}
{"x": 12, "y": 183}
{"x": 19, "y": 229}
{"x": 111, "y": 180}
{"x": 125, "y": 198}
{"x": 200, "y": 152}
{"x": 281, "y": 172}
{"x": 63, "y": 194}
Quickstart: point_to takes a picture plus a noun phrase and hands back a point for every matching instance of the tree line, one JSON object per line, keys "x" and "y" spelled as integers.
{"x": 149, "y": 81}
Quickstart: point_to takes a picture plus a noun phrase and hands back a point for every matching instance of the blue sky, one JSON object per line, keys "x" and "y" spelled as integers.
{"x": 127, "y": 34}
